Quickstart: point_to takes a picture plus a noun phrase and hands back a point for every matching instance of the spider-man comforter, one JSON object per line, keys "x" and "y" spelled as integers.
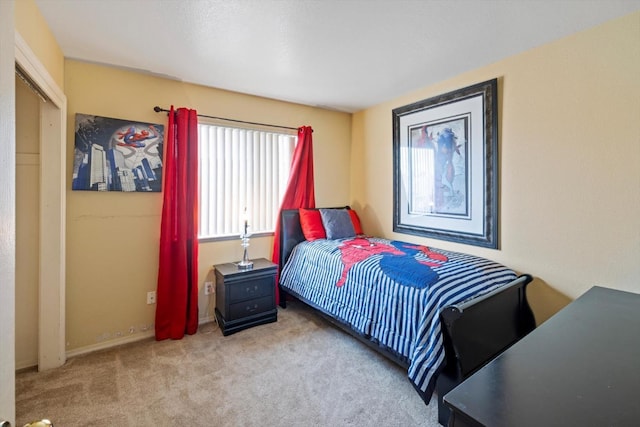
{"x": 391, "y": 292}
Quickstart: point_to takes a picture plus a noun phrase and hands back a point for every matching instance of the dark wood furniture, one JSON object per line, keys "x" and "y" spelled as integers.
{"x": 474, "y": 332}
{"x": 245, "y": 298}
{"x": 579, "y": 368}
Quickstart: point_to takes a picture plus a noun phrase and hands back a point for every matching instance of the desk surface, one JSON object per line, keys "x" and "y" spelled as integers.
{"x": 580, "y": 367}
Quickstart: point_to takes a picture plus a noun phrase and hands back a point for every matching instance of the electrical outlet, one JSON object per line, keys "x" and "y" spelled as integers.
{"x": 151, "y": 297}
{"x": 208, "y": 288}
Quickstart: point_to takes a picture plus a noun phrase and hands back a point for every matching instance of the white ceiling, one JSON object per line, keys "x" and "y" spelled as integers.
{"x": 339, "y": 54}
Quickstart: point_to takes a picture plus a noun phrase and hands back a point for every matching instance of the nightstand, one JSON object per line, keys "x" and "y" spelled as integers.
{"x": 245, "y": 298}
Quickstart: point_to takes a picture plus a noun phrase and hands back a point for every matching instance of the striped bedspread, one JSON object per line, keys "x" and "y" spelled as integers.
{"x": 391, "y": 292}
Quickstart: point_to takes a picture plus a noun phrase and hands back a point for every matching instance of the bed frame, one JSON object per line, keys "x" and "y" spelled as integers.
{"x": 474, "y": 332}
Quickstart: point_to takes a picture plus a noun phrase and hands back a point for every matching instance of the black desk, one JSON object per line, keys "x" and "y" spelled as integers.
{"x": 579, "y": 368}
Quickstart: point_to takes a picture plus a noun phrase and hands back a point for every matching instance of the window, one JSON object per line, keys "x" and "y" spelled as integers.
{"x": 241, "y": 169}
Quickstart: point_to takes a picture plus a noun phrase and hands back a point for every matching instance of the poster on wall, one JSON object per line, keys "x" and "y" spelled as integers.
{"x": 445, "y": 158}
{"x": 117, "y": 155}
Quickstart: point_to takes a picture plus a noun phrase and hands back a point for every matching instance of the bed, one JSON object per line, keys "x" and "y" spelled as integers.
{"x": 451, "y": 314}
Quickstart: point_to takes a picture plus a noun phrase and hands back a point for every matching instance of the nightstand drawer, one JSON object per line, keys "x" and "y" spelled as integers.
{"x": 250, "y": 307}
{"x": 250, "y": 290}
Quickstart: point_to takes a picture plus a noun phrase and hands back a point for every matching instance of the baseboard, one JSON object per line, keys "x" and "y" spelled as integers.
{"x": 110, "y": 343}
{"x": 24, "y": 366}
{"x": 124, "y": 340}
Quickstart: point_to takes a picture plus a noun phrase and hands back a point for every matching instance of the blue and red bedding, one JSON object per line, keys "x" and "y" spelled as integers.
{"x": 391, "y": 292}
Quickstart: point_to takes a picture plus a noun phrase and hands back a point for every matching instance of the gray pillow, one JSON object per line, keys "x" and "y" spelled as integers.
{"x": 337, "y": 223}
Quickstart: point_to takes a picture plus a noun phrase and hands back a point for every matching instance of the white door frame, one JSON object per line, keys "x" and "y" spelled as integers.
{"x": 7, "y": 213}
{"x": 51, "y": 330}
{"x": 13, "y": 50}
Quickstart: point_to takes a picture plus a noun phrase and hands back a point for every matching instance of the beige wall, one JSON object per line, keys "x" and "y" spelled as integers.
{"x": 570, "y": 163}
{"x": 112, "y": 239}
{"x": 34, "y": 30}
{"x": 569, "y": 197}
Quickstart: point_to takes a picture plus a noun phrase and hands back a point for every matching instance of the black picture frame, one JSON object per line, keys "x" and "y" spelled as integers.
{"x": 445, "y": 166}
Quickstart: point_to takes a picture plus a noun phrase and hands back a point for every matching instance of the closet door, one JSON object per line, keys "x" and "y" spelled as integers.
{"x": 27, "y": 224}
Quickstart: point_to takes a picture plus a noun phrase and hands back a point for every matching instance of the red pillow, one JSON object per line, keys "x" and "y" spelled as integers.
{"x": 311, "y": 223}
{"x": 356, "y": 222}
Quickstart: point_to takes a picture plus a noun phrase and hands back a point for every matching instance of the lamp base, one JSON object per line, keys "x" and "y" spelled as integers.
{"x": 245, "y": 265}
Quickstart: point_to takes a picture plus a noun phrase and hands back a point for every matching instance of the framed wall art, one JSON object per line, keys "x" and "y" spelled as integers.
{"x": 117, "y": 155}
{"x": 445, "y": 161}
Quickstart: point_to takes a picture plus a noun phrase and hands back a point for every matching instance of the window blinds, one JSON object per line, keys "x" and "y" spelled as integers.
{"x": 241, "y": 169}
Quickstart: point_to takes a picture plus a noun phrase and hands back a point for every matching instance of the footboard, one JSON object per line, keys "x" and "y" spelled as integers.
{"x": 477, "y": 331}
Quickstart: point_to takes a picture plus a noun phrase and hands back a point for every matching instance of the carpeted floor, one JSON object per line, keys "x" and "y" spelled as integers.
{"x": 299, "y": 371}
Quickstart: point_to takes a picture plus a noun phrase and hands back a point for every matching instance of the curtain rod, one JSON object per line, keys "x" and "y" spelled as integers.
{"x": 158, "y": 110}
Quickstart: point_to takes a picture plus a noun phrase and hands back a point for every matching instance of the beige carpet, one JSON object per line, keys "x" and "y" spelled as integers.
{"x": 299, "y": 371}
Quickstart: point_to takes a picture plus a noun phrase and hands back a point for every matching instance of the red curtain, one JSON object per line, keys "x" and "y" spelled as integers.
{"x": 177, "y": 292}
{"x": 300, "y": 189}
